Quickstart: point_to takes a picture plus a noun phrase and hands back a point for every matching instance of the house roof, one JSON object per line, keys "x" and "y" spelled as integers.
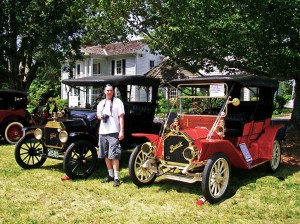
{"x": 167, "y": 72}
{"x": 115, "y": 48}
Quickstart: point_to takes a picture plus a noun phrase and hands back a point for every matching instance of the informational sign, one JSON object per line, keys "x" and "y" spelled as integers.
{"x": 216, "y": 90}
{"x": 73, "y": 101}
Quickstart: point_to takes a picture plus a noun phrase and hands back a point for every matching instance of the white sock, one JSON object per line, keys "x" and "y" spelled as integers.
{"x": 111, "y": 172}
{"x": 116, "y": 174}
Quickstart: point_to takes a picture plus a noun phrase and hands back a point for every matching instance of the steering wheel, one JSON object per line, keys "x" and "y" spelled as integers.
{"x": 201, "y": 107}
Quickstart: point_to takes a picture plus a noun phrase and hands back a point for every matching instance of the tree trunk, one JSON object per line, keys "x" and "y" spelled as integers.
{"x": 295, "y": 119}
{"x": 12, "y": 55}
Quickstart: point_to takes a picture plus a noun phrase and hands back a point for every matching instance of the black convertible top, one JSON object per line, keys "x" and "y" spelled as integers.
{"x": 244, "y": 80}
{"x": 116, "y": 80}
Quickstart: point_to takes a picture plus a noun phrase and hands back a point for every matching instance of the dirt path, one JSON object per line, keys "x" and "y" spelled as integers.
{"x": 291, "y": 149}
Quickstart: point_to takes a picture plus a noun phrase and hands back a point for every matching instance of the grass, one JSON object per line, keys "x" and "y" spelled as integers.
{"x": 39, "y": 196}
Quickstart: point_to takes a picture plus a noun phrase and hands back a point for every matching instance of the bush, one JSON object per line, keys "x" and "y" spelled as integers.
{"x": 280, "y": 101}
{"x": 60, "y": 103}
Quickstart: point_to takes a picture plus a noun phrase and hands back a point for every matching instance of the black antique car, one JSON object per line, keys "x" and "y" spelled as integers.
{"x": 13, "y": 114}
{"x": 74, "y": 137}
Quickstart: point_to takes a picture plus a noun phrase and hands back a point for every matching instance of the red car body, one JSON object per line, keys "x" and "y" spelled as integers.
{"x": 221, "y": 127}
{"x": 13, "y": 114}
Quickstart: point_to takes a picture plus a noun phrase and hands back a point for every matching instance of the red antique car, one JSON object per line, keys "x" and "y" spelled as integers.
{"x": 13, "y": 114}
{"x": 216, "y": 123}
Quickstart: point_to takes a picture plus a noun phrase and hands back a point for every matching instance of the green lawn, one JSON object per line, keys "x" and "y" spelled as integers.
{"x": 39, "y": 196}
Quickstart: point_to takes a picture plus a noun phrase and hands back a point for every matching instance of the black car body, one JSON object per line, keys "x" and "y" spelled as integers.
{"x": 74, "y": 137}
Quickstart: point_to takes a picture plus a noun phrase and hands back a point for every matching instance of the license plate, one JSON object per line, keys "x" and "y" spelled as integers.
{"x": 53, "y": 153}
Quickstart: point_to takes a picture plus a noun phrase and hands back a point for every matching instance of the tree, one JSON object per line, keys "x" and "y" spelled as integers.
{"x": 33, "y": 34}
{"x": 257, "y": 36}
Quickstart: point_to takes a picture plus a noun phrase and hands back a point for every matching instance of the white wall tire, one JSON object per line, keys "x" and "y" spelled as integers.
{"x": 13, "y": 132}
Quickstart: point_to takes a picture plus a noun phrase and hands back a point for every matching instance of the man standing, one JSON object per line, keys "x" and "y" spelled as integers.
{"x": 111, "y": 113}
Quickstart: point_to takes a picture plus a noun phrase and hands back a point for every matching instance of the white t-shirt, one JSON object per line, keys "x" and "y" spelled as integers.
{"x": 112, "y": 124}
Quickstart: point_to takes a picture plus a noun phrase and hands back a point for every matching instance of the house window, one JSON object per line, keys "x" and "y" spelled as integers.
{"x": 121, "y": 67}
{"x": 96, "y": 68}
{"x": 151, "y": 64}
{"x": 78, "y": 69}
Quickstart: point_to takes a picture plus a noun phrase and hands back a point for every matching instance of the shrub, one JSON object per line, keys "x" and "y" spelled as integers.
{"x": 280, "y": 101}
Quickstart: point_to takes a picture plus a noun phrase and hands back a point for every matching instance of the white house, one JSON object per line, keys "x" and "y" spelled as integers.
{"x": 129, "y": 58}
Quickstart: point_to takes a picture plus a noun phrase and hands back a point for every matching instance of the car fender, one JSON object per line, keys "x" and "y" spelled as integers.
{"x": 10, "y": 119}
{"x": 27, "y": 129}
{"x": 210, "y": 147}
{"x": 150, "y": 137}
{"x": 75, "y": 136}
{"x": 267, "y": 139}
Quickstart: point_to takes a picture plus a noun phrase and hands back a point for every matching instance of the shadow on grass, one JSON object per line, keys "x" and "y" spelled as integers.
{"x": 100, "y": 170}
{"x": 241, "y": 178}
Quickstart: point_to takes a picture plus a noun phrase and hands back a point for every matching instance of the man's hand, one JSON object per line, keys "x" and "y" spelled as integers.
{"x": 121, "y": 135}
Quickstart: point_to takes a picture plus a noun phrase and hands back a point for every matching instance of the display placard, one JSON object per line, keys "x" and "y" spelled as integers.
{"x": 245, "y": 152}
{"x": 216, "y": 90}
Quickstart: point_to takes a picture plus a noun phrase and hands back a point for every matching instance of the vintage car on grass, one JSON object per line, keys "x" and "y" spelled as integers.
{"x": 13, "y": 115}
{"x": 74, "y": 137}
{"x": 219, "y": 122}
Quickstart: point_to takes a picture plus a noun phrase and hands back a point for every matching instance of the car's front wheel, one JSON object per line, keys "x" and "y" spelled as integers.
{"x": 29, "y": 152}
{"x": 140, "y": 168}
{"x": 13, "y": 132}
{"x": 80, "y": 159}
{"x": 216, "y": 177}
{"x": 274, "y": 163}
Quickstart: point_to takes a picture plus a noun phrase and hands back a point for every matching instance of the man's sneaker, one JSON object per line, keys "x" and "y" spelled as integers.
{"x": 116, "y": 183}
{"x": 107, "y": 179}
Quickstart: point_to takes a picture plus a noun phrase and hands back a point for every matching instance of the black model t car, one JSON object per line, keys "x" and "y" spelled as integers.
{"x": 13, "y": 114}
{"x": 74, "y": 138}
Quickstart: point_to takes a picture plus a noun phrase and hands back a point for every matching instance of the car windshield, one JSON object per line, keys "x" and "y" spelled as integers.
{"x": 201, "y": 99}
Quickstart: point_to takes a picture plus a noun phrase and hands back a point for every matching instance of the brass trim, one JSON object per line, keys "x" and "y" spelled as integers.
{"x": 180, "y": 134}
{"x": 55, "y": 124}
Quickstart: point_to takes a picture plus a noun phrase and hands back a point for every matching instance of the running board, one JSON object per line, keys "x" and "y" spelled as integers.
{"x": 182, "y": 178}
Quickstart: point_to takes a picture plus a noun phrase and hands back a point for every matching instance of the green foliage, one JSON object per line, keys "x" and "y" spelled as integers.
{"x": 46, "y": 85}
{"x": 258, "y": 37}
{"x": 280, "y": 101}
{"x": 161, "y": 103}
{"x": 61, "y": 104}
{"x": 34, "y": 34}
{"x": 286, "y": 89}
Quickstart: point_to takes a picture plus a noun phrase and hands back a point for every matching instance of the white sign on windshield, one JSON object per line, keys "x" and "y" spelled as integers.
{"x": 217, "y": 90}
{"x": 73, "y": 101}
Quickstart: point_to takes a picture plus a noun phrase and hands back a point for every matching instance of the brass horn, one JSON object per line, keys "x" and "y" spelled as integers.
{"x": 234, "y": 102}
